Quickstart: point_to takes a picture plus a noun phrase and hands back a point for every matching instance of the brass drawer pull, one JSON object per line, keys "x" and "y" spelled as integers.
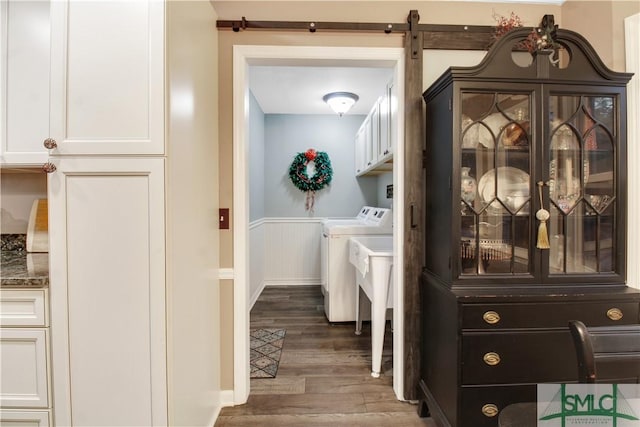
{"x": 614, "y": 313}
{"x": 491, "y": 358}
{"x": 491, "y": 317}
{"x": 490, "y": 410}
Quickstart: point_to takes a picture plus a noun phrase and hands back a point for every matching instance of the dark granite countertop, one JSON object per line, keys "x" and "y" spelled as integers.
{"x": 19, "y": 268}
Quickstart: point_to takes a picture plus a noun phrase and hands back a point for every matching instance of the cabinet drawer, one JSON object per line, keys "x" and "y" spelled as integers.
{"x": 9, "y": 417}
{"x": 23, "y": 307}
{"x": 518, "y": 357}
{"x": 548, "y": 314}
{"x": 24, "y": 367}
{"x": 480, "y": 406}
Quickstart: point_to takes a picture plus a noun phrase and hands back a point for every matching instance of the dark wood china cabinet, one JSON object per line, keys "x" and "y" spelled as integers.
{"x": 519, "y": 138}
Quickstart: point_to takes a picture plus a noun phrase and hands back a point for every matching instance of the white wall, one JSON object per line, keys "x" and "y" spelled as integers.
{"x": 193, "y": 343}
{"x": 632, "y": 41}
{"x": 256, "y": 160}
{"x": 17, "y": 193}
{"x": 286, "y": 136}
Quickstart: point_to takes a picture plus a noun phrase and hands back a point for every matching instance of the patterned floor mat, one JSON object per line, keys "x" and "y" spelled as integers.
{"x": 266, "y": 348}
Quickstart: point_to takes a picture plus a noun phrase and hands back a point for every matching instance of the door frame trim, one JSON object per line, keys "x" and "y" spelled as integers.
{"x": 243, "y": 57}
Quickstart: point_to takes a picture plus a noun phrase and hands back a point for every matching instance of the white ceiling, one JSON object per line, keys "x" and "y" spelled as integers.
{"x": 299, "y": 89}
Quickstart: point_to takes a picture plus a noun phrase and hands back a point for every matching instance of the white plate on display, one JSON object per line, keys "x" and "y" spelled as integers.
{"x": 513, "y": 187}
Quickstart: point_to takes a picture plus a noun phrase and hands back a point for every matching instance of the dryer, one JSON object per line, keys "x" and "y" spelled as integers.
{"x": 336, "y": 272}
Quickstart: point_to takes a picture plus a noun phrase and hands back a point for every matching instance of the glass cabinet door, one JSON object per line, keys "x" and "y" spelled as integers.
{"x": 582, "y": 189}
{"x": 495, "y": 181}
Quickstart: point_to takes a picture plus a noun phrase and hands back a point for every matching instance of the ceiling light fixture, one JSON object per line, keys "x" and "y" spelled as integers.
{"x": 340, "y": 102}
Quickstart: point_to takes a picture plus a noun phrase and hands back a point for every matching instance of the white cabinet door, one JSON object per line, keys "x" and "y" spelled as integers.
{"x": 384, "y": 106}
{"x": 24, "y": 81}
{"x": 24, "y": 368}
{"x": 13, "y": 418}
{"x": 107, "y": 77}
{"x": 361, "y": 150}
{"x": 23, "y": 307}
{"x": 107, "y": 258}
{"x": 374, "y": 138}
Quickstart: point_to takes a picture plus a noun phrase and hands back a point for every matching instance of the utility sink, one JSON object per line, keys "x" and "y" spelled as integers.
{"x": 372, "y": 257}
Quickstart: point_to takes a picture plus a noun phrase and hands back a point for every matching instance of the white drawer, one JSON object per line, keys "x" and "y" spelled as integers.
{"x": 19, "y": 418}
{"x": 23, "y": 307}
{"x": 25, "y": 368}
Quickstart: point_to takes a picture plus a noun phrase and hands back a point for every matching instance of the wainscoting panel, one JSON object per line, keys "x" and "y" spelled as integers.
{"x": 256, "y": 261}
{"x": 291, "y": 251}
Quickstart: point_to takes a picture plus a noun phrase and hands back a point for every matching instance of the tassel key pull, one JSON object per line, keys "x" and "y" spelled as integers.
{"x": 542, "y": 215}
{"x": 543, "y": 236}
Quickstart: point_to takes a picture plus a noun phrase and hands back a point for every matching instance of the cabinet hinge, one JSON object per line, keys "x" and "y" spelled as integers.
{"x": 450, "y": 104}
{"x": 424, "y": 159}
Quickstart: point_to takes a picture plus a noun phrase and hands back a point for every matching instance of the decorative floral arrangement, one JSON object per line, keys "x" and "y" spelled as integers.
{"x": 320, "y": 179}
{"x": 540, "y": 38}
{"x": 504, "y": 25}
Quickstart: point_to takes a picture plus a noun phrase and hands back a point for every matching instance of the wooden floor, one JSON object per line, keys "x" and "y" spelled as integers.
{"x": 324, "y": 375}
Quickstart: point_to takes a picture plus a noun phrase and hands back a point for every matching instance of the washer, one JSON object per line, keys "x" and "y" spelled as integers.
{"x": 357, "y": 220}
{"x": 336, "y": 272}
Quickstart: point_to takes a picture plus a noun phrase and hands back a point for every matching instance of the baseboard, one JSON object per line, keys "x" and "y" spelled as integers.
{"x": 293, "y": 282}
{"x": 256, "y": 295}
{"x": 216, "y": 414}
{"x": 226, "y": 398}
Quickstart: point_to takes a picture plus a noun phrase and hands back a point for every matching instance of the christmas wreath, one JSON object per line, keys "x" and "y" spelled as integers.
{"x": 320, "y": 179}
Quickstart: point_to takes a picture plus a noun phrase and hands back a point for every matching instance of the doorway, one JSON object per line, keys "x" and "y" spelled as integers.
{"x": 243, "y": 58}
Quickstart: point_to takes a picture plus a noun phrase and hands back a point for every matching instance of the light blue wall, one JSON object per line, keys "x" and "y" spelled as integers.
{"x": 256, "y": 160}
{"x": 286, "y": 136}
{"x": 384, "y": 180}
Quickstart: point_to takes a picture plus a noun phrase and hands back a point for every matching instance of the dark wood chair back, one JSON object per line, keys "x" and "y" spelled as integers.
{"x": 607, "y": 353}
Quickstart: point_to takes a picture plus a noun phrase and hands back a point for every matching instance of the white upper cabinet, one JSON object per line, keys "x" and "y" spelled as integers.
{"x": 107, "y": 77}
{"x": 24, "y": 81}
{"x": 374, "y": 140}
{"x": 361, "y": 150}
{"x": 385, "y": 147}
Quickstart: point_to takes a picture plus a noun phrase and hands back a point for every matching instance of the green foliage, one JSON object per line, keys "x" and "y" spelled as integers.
{"x": 322, "y": 176}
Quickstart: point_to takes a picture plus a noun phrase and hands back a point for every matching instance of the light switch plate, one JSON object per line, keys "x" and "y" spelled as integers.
{"x": 224, "y": 218}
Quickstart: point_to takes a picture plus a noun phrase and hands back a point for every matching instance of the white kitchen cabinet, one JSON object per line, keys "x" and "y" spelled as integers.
{"x": 24, "y": 367}
{"x": 132, "y": 234}
{"x": 107, "y": 77}
{"x": 107, "y": 260}
{"x": 24, "y": 351}
{"x": 89, "y": 75}
{"x": 24, "y": 81}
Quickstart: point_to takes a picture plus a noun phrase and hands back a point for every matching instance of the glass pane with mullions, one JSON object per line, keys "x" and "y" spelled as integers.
{"x": 496, "y": 243}
{"x": 555, "y": 226}
{"x": 574, "y": 240}
{"x": 565, "y": 187}
{"x": 581, "y": 184}
{"x": 521, "y": 242}
{"x": 468, "y": 242}
{"x": 495, "y": 165}
{"x": 606, "y": 241}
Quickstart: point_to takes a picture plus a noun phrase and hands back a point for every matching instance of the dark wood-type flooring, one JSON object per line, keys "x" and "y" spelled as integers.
{"x": 324, "y": 375}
